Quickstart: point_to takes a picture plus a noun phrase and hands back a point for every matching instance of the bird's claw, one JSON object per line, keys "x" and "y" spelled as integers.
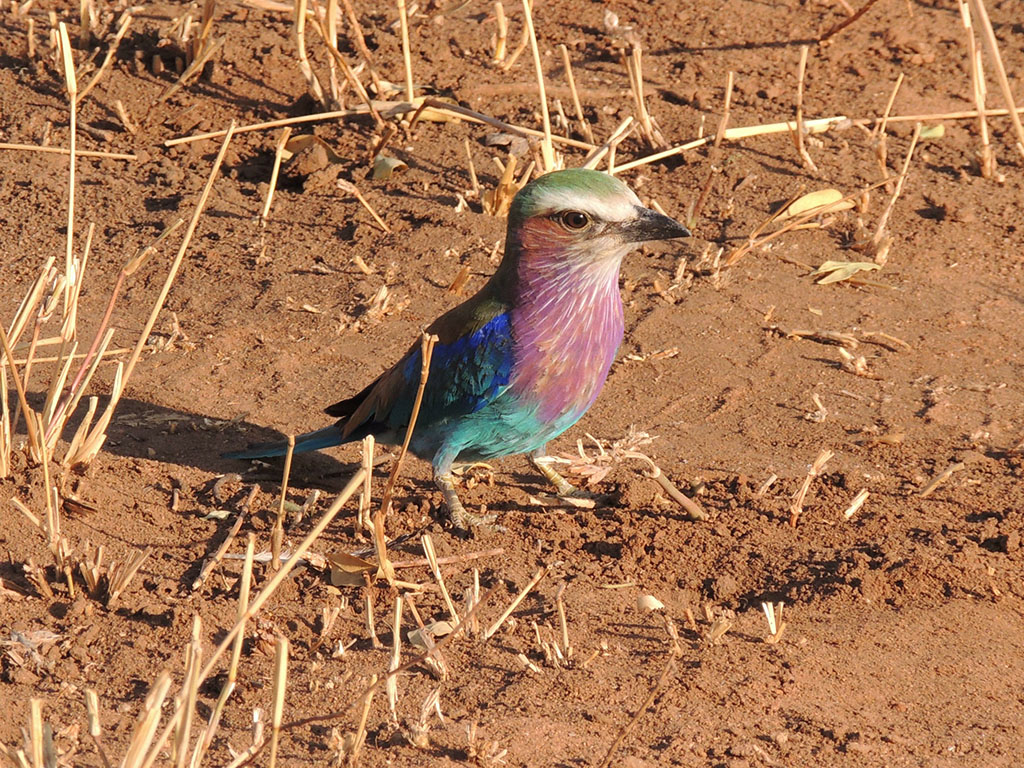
{"x": 464, "y": 520}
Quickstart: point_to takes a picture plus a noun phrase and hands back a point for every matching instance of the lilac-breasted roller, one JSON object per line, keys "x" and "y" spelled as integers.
{"x": 522, "y": 360}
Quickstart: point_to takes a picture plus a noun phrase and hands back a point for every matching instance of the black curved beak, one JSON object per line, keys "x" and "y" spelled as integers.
{"x": 651, "y": 225}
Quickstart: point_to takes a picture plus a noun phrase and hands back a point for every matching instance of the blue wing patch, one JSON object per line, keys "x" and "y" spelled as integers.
{"x": 465, "y": 374}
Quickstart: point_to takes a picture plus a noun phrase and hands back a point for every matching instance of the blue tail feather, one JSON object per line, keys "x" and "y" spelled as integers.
{"x": 311, "y": 441}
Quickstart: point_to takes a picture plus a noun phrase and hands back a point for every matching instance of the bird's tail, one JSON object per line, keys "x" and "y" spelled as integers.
{"x": 311, "y": 441}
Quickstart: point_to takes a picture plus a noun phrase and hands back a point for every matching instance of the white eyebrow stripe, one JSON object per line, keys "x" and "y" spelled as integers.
{"x": 618, "y": 209}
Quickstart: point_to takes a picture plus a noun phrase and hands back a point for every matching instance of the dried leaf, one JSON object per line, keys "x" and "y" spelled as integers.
{"x": 435, "y": 629}
{"x": 347, "y": 570}
{"x": 384, "y": 166}
{"x": 218, "y": 514}
{"x": 933, "y": 131}
{"x": 305, "y": 141}
{"x": 834, "y": 271}
{"x": 646, "y": 603}
{"x": 807, "y": 203}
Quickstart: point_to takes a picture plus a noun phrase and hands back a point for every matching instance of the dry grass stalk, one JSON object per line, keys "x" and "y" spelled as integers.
{"x": 473, "y": 180}
{"x": 92, "y": 444}
{"x": 62, "y": 413}
{"x": 622, "y": 130}
{"x": 396, "y": 659}
{"x": 277, "y": 535}
{"x": 878, "y": 247}
{"x": 563, "y": 624}
{"x": 427, "y": 343}
{"x": 776, "y": 626}
{"x": 818, "y": 125}
{"x": 185, "y": 701}
{"x": 501, "y": 35}
{"x": 203, "y": 744}
{"x": 146, "y": 724}
{"x": 428, "y": 549}
{"x": 940, "y": 478}
{"x": 119, "y": 575}
{"x": 268, "y": 590}
{"x": 693, "y": 216}
{"x": 193, "y": 69}
{"x": 856, "y": 504}
{"x": 801, "y": 147}
{"x": 515, "y": 603}
{"x": 403, "y": 19}
{"x": 351, "y": 189}
{"x": 71, "y": 83}
{"x": 450, "y": 559}
{"x": 663, "y": 678}
{"x": 35, "y": 724}
{"x": 360, "y": 737}
{"x": 218, "y": 556}
{"x": 371, "y": 630}
{"x": 588, "y": 134}
{"x": 360, "y": 43}
{"x": 986, "y": 160}
{"x": 66, "y": 151}
{"x": 352, "y": 79}
{"x": 363, "y": 518}
{"x": 315, "y": 89}
{"x": 551, "y": 161}
{"x": 634, "y": 69}
{"x": 879, "y": 135}
{"x": 280, "y": 685}
{"x": 989, "y": 38}
{"x": 332, "y": 41}
{"x": 5, "y": 423}
{"x": 754, "y": 240}
{"x": 92, "y": 708}
{"x": 837, "y": 28}
{"x": 796, "y": 506}
{"x": 126, "y": 21}
{"x": 278, "y": 156}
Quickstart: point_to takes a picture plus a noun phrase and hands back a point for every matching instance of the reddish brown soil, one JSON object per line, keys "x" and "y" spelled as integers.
{"x": 904, "y": 640}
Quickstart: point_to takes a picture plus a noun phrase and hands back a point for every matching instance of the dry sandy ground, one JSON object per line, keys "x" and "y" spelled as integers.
{"x": 904, "y": 636}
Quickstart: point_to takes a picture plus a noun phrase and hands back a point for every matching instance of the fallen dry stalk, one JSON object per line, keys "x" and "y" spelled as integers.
{"x": 515, "y": 603}
{"x": 663, "y": 678}
{"x": 218, "y": 556}
{"x": 940, "y": 478}
{"x": 837, "y": 28}
{"x": 66, "y": 151}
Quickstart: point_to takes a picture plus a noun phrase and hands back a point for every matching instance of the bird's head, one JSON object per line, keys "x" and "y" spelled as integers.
{"x": 582, "y": 217}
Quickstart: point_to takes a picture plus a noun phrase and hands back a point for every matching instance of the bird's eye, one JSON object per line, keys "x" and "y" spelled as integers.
{"x": 574, "y": 220}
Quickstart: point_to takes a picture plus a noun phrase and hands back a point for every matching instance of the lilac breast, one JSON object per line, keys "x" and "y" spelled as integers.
{"x": 567, "y": 326}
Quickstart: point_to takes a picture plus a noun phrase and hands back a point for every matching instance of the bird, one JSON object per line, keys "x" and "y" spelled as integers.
{"x": 518, "y": 363}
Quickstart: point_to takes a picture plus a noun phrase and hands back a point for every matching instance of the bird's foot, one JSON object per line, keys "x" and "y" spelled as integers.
{"x": 562, "y": 486}
{"x": 466, "y": 521}
{"x": 461, "y": 518}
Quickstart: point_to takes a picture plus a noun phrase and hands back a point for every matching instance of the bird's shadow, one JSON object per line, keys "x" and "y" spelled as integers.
{"x": 144, "y": 430}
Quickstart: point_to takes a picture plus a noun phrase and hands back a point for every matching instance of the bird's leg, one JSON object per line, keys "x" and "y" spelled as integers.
{"x": 461, "y": 517}
{"x": 542, "y": 462}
